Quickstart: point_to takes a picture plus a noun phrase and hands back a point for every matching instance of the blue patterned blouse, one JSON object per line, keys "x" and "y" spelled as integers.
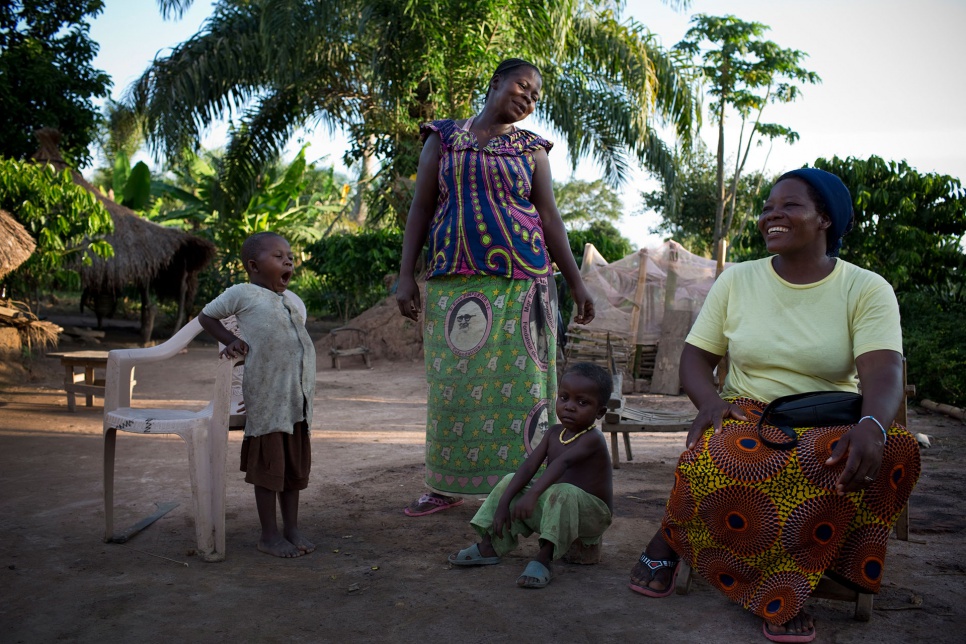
{"x": 484, "y": 223}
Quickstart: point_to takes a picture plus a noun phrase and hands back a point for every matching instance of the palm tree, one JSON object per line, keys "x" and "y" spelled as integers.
{"x": 378, "y": 68}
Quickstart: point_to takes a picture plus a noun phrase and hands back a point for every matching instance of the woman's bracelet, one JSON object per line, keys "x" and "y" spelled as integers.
{"x": 885, "y": 435}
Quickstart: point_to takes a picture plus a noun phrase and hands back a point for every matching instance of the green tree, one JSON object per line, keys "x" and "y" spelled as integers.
{"x": 66, "y": 221}
{"x": 297, "y": 200}
{"x": 934, "y": 343}
{"x": 119, "y": 136}
{"x": 744, "y": 73}
{"x": 353, "y": 268}
{"x": 688, "y": 211}
{"x": 909, "y": 226}
{"x": 378, "y": 68}
{"x": 583, "y": 202}
{"x": 604, "y": 236}
{"x": 46, "y": 76}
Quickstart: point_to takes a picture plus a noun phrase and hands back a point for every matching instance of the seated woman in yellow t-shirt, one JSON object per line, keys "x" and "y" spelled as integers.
{"x": 763, "y": 525}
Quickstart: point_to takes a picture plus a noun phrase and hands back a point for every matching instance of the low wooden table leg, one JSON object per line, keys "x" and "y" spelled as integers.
{"x": 863, "y": 607}
{"x": 615, "y": 455}
{"x": 89, "y": 380}
{"x": 902, "y": 524}
{"x": 627, "y": 446}
{"x": 69, "y": 388}
{"x": 685, "y": 576}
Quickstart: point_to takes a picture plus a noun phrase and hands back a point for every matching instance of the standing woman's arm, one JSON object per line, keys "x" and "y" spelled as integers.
{"x": 417, "y": 226}
{"x": 541, "y": 196}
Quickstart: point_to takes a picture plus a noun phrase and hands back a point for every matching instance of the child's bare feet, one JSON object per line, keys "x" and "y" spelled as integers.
{"x": 295, "y": 538}
{"x": 279, "y": 548}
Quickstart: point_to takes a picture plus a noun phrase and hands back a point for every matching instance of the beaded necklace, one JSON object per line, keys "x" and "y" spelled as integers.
{"x": 575, "y": 436}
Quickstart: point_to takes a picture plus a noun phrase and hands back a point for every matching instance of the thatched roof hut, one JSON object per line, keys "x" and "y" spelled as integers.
{"x": 16, "y": 244}
{"x": 151, "y": 257}
{"x": 18, "y": 326}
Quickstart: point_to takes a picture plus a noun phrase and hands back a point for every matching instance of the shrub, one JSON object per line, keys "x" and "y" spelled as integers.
{"x": 352, "y": 268}
{"x": 934, "y": 339}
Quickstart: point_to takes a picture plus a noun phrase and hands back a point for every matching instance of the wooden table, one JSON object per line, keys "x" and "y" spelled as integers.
{"x": 83, "y": 382}
{"x": 619, "y": 419}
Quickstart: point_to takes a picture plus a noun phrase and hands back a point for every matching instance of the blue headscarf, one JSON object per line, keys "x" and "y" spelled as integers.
{"x": 836, "y": 203}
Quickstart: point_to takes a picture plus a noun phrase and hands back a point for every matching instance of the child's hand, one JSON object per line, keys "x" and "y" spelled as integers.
{"x": 236, "y": 349}
{"x": 525, "y": 506}
{"x": 501, "y": 519}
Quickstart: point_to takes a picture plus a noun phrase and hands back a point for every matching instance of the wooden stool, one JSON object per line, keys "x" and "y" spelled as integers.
{"x": 357, "y": 345}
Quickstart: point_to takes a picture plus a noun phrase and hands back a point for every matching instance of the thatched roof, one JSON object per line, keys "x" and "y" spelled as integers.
{"x": 16, "y": 244}
{"x": 145, "y": 254}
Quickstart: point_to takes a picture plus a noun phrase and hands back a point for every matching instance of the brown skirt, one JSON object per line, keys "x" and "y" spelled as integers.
{"x": 278, "y": 461}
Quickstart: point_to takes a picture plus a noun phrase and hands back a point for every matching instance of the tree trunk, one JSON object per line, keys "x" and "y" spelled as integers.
{"x": 359, "y": 208}
{"x": 182, "y": 297}
{"x": 720, "y": 207}
{"x": 148, "y": 312}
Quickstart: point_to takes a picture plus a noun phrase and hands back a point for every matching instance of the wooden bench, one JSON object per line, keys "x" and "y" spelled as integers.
{"x": 84, "y": 382}
{"x": 354, "y": 342}
{"x": 620, "y": 419}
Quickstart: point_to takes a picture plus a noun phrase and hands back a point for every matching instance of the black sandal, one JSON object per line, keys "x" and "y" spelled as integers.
{"x": 655, "y": 566}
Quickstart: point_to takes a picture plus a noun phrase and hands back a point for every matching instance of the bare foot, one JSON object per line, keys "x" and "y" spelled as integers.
{"x": 800, "y": 628}
{"x": 280, "y": 548}
{"x": 295, "y": 538}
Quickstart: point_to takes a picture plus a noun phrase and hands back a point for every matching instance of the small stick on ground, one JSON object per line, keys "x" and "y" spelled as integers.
{"x": 183, "y": 563}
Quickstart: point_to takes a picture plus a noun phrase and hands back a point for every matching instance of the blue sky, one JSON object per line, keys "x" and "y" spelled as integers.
{"x": 891, "y": 79}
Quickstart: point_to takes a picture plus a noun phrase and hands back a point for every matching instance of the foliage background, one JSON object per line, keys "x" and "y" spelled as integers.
{"x": 46, "y": 76}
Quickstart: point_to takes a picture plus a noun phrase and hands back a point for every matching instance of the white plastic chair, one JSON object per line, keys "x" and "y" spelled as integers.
{"x": 205, "y": 432}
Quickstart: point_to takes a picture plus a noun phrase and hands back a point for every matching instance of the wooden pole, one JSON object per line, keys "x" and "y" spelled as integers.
{"x": 949, "y": 410}
{"x": 722, "y": 252}
{"x": 723, "y": 366}
{"x": 637, "y": 309}
{"x": 638, "y": 303}
{"x": 585, "y": 260}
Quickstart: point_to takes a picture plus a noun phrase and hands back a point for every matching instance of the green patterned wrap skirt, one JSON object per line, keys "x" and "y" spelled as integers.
{"x": 763, "y": 525}
{"x": 490, "y": 348}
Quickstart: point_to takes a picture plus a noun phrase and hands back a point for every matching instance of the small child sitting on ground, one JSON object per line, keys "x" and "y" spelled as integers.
{"x": 278, "y": 386}
{"x": 572, "y": 499}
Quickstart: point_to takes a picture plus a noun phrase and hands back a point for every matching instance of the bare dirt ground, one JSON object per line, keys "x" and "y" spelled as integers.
{"x": 377, "y": 575}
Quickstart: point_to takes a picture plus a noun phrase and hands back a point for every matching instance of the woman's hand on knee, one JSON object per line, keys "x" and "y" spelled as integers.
{"x": 862, "y": 448}
{"x": 713, "y": 414}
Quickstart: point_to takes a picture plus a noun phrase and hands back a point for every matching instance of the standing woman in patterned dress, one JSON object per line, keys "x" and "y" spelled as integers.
{"x": 484, "y": 199}
{"x": 760, "y": 524}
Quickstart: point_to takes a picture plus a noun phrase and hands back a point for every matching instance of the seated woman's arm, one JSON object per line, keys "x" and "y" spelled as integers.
{"x": 697, "y": 378}
{"x": 880, "y": 374}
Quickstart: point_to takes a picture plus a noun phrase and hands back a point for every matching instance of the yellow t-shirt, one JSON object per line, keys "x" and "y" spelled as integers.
{"x": 785, "y": 338}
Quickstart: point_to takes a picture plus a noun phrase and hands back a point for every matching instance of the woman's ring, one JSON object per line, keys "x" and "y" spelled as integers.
{"x": 869, "y": 479}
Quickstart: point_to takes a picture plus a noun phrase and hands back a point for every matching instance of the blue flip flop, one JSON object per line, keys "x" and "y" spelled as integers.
{"x": 535, "y": 575}
{"x": 472, "y": 557}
